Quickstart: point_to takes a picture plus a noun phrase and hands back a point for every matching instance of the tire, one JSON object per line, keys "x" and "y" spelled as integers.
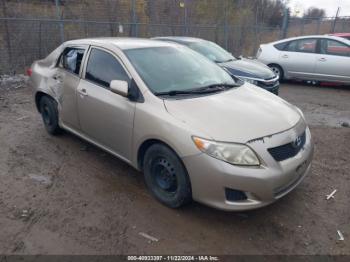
{"x": 166, "y": 176}
{"x": 277, "y": 70}
{"x": 49, "y": 114}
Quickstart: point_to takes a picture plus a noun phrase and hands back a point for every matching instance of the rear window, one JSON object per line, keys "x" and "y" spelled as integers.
{"x": 281, "y": 46}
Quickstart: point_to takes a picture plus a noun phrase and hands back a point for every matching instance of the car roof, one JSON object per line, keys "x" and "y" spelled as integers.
{"x": 312, "y": 36}
{"x": 180, "y": 39}
{"x": 121, "y": 42}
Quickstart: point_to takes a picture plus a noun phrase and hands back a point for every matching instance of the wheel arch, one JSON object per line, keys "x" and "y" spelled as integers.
{"x": 38, "y": 96}
{"x": 145, "y": 145}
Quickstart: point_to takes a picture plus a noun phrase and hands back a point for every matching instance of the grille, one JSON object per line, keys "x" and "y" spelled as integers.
{"x": 289, "y": 150}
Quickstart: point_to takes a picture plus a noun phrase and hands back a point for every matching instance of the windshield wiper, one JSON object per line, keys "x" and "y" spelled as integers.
{"x": 174, "y": 92}
{"x": 215, "y": 87}
{"x": 201, "y": 90}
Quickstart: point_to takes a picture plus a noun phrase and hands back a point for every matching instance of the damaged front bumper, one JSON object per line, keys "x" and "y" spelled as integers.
{"x": 212, "y": 179}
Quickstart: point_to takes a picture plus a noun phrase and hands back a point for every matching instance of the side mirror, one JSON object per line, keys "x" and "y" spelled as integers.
{"x": 119, "y": 87}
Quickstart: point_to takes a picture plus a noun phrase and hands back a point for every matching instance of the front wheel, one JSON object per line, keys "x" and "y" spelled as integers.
{"x": 166, "y": 177}
{"x": 277, "y": 70}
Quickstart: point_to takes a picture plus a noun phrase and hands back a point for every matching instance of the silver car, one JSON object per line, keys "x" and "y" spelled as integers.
{"x": 316, "y": 58}
{"x": 193, "y": 130}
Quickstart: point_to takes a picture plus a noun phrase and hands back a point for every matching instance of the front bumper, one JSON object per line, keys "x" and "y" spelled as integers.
{"x": 272, "y": 84}
{"x": 262, "y": 185}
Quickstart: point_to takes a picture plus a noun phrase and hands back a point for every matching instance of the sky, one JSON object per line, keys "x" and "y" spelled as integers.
{"x": 330, "y": 6}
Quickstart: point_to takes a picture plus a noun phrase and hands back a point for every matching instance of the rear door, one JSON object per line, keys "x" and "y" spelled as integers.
{"x": 333, "y": 61}
{"x": 298, "y": 58}
{"x": 105, "y": 117}
{"x": 67, "y": 78}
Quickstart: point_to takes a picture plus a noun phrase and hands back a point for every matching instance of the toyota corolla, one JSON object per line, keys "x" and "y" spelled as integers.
{"x": 193, "y": 130}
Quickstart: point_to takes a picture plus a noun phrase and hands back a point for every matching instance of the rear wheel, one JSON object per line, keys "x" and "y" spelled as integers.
{"x": 166, "y": 177}
{"x": 277, "y": 70}
{"x": 49, "y": 113}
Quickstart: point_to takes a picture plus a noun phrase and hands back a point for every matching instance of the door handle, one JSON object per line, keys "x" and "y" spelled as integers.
{"x": 285, "y": 56}
{"x": 322, "y": 59}
{"x": 82, "y": 92}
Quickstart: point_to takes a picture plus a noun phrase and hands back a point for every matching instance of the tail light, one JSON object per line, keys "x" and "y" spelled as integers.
{"x": 29, "y": 72}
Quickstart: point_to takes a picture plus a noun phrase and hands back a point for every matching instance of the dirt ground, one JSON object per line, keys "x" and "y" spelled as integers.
{"x": 60, "y": 195}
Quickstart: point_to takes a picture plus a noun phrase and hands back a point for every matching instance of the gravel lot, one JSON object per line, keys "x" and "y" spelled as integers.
{"x": 60, "y": 195}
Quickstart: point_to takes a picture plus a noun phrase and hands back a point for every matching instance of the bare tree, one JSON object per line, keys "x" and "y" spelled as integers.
{"x": 314, "y": 12}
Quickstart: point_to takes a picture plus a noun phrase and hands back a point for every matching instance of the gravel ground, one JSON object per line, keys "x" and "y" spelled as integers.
{"x": 60, "y": 195}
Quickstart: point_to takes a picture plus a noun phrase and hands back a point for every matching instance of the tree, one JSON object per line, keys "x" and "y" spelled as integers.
{"x": 314, "y": 12}
{"x": 275, "y": 12}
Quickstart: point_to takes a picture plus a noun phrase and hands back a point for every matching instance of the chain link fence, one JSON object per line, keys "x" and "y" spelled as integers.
{"x": 317, "y": 26}
{"x": 31, "y": 29}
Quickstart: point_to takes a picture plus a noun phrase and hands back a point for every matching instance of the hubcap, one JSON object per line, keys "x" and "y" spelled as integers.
{"x": 276, "y": 71}
{"x": 165, "y": 176}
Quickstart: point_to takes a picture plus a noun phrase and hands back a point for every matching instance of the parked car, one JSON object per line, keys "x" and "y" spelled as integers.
{"x": 194, "y": 131}
{"x": 314, "y": 58}
{"x": 248, "y": 70}
{"x": 343, "y": 35}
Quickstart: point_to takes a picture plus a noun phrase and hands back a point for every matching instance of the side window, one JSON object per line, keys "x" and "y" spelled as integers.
{"x": 291, "y": 46}
{"x": 307, "y": 45}
{"x": 102, "y": 68}
{"x": 71, "y": 59}
{"x": 332, "y": 47}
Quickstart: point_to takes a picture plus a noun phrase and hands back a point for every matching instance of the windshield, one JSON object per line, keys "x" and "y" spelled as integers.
{"x": 170, "y": 68}
{"x": 212, "y": 51}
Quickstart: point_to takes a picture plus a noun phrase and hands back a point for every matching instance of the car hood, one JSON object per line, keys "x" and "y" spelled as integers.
{"x": 237, "y": 115}
{"x": 248, "y": 68}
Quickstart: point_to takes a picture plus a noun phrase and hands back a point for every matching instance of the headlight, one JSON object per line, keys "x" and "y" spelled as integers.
{"x": 236, "y": 154}
{"x": 251, "y": 81}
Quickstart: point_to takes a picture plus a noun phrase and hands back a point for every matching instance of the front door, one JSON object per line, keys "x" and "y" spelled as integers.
{"x": 333, "y": 62}
{"x": 105, "y": 117}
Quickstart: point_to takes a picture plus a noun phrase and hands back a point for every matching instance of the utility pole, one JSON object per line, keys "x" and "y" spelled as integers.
{"x": 335, "y": 20}
{"x": 183, "y": 4}
{"x": 58, "y": 12}
{"x": 225, "y": 5}
{"x": 134, "y": 21}
{"x": 186, "y": 17}
{"x": 285, "y": 23}
{"x": 8, "y": 38}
